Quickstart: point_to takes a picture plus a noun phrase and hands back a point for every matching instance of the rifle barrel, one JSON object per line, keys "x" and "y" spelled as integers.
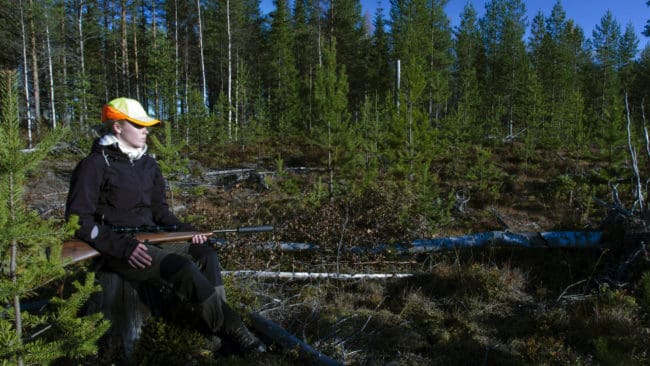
{"x": 246, "y": 229}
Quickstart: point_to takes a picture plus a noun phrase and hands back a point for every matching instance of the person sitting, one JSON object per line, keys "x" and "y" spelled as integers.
{"x": 119, "y": 185}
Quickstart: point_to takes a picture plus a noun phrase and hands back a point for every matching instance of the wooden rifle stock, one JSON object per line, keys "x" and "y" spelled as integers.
{"x": 77, "y": 250}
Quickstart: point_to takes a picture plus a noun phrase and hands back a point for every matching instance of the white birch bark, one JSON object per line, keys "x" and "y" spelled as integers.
{"x": 28, "y": 107}
{"x": 50, "y": 72}
{"x": 34, "y": 53}
{"x": 136, "y": 66}
{"x": 63, "y": 81}
{"x": 177, "y": 100}
{"x": 638, "y": 191}
{"x": 645, "y": 129}
{"x": 203, "y": 79}
{"x": 82, "y": 63}
{"x": 125, "y": 51}
{"x": 314, "y": 275}
{"x": 229, "y": 70}
{"x": 155, "y": 39}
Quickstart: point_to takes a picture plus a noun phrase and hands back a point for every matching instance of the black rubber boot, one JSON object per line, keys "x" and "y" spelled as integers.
{"x": 247, "y": 340}
{"x": 235, "y": 328}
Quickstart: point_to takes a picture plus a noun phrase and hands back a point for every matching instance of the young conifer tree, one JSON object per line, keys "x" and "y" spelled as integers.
{"x": 30, "y": 257}
{"x": 172, "y": 164}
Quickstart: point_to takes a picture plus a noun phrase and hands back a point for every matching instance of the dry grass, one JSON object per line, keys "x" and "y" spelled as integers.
{"x": 482, "y": 306}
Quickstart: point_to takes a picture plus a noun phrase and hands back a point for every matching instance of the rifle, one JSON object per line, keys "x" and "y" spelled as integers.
{"x": 77, "y": 250}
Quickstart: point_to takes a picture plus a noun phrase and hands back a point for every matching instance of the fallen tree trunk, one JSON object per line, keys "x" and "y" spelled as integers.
{"x": 549, "y": 239}
{"x": 314, "y": 275}
{"x": 288, "y": 341}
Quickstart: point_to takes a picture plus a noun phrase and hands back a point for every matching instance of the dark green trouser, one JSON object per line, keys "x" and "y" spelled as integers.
{"x": 191, "y": 270}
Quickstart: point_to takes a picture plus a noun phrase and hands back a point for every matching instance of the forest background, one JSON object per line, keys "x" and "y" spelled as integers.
{"x": 432, "y": 121}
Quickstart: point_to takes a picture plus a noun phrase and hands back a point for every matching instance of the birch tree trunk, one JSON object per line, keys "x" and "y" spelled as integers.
{"x": 154, "y": 30}
{"x": 82, "y": 64}
{"x": 64, "y": 79}
{"x": 176, "y": 63}
{"x": 50, "y": 72}
{"x": 203, "y": 80}
{"x": 25, "y": 77}
{"x": 125, "y": 52}
{"x": 136, "y": 66}
{"x": 34, "y": 52}
{"x": 106, "y": 17}
{"x": 229, "y": 70}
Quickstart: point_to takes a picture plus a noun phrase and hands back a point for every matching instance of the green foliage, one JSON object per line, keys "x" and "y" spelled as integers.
{"x": 164, "y": 343}
{"x": 240, "y": 295}
{"x": 78, "y": 335}
{"x": 484, "y": 174}
{"x": 172, "y": 164}
{"x": 318, "y": 194}
{"x": 284, "y": 99}
{"x": 25, "y": 239}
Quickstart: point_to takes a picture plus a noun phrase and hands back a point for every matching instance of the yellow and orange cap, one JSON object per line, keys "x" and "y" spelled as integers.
{"x": 127, "y": 109}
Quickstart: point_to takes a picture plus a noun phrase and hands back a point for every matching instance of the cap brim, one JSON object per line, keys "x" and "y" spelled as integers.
{"x": 144, "y": 121}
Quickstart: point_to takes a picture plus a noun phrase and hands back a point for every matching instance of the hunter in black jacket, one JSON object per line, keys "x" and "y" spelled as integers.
{"x": 119, "y": 185}
{"x": 109, "y": 189}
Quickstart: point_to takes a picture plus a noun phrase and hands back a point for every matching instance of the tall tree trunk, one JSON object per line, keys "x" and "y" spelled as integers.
{"x": 136, "y": 66}
{"x": 154, "y": 29}
{"x": 229, "y": 70}
{"x": 203, "y": 79}
{"x": 125, "y": 52}
{"x": 25, "y": 77}
{"x": 34, "y": 52}
{"x": 104, "y": 50}
{"x": 64, "y": 78}
{"x": 50, "y": 72}
{"x": 82, "y": 63}
{"x": 176, "y": 64}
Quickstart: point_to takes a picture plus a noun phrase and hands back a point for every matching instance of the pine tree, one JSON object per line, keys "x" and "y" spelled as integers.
{"x": 380, "y": 69}
{"x": 627, "y": 49}
{"x": 468, "y": 51}
{"x": 646, "y": 30}
{"x": 641, "y": 83}
{"x": 609, "y": 103}
{"x": 283, "y": 84}
{"x": 172, "y": 165}
{"x": 330, "y": 100}
{"x": 306, "y": 56}
{"x": 504, "y": 89}
{"x": 343, "y": 21}
{"x": 25, "y": 239}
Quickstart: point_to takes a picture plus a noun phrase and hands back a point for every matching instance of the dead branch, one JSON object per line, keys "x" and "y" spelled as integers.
{"x": 645, "y": 128}
{"x": 638, "y": 191}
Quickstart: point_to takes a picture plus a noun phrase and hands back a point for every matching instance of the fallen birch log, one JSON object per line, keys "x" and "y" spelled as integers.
{"x": 289, "y": 342}
{"x": 314, "y": 275}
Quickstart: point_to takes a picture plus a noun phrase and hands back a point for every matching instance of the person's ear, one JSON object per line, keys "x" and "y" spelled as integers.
{"x": 117, "y": 128}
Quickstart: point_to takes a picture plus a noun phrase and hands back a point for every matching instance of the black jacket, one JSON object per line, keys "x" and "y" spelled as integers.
{"x": 107, "y": 190}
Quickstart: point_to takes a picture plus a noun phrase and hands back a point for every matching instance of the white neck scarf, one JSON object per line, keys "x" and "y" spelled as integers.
{"x": 134, "y": 153}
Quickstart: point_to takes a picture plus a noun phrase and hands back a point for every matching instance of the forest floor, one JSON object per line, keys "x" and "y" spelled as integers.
{"x": 476, "y": 306}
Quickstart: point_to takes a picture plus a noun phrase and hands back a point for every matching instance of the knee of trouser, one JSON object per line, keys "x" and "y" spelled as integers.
{"x": 205, "y": 255}
{"x": 186, "y": 279}
{"x": 171, "y": 265}
{"x": 208, "y": 261}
